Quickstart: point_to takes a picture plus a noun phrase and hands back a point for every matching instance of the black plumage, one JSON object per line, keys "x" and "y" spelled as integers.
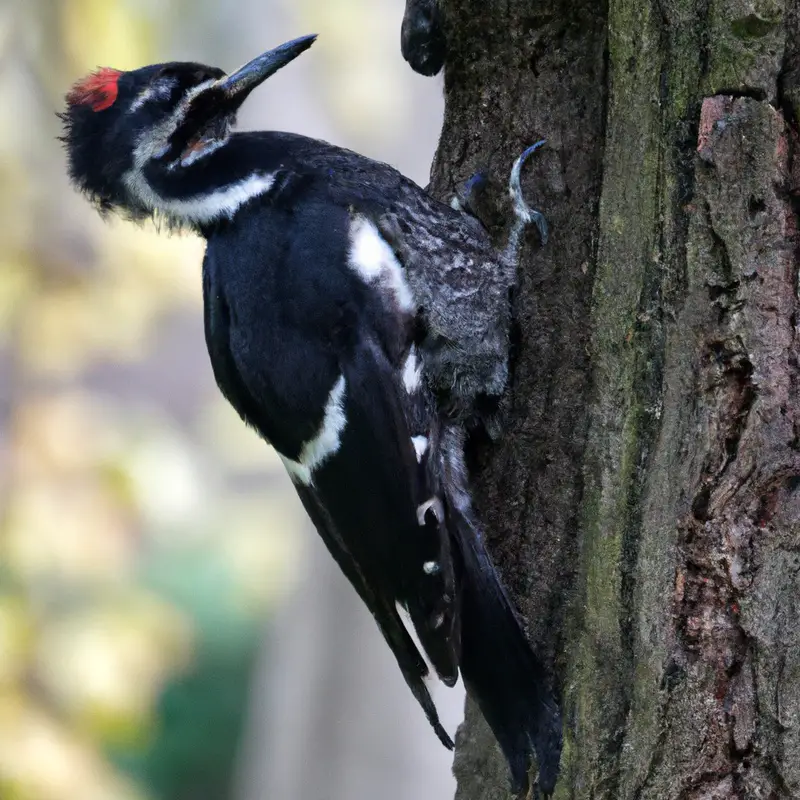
{"x": 357, "y": 324}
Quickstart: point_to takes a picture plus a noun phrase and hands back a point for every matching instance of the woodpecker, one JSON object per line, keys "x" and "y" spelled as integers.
{"x": 358, "y": 325}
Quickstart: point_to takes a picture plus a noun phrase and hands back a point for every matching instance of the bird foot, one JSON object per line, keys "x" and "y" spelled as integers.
{"x": 466, "y": 199}
{"x": 523, "y": 213}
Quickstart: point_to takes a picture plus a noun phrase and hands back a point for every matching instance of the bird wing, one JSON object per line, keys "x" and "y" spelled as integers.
{"x": 370, "y": 500}
{"x": 379, "y": 490}
{"x": 411, "y": 663}
{"x": 459, "y": 281}
{"x": 362, "y": 471}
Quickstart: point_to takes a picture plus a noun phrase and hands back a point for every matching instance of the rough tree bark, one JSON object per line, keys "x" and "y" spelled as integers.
{"x": 644, "y": 506}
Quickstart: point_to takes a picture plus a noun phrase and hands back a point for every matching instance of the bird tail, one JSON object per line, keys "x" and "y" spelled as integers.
{"x": 500, "y": 670}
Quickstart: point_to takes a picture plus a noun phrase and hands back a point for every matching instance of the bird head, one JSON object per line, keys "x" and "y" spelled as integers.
{"x": 163, "y": 117}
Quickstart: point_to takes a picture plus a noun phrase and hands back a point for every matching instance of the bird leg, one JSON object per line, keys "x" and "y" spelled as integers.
{"x": 465, "y": 200}
{"x": 523, "y": 213}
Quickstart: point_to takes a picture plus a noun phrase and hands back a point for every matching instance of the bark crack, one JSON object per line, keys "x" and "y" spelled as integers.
{"x": 745, "y": 379}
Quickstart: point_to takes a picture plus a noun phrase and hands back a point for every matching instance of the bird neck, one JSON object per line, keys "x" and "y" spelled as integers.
{"x": 200, "y": 193}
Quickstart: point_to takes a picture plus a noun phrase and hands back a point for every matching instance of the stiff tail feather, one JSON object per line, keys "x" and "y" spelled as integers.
{"x": 501, "y": 671}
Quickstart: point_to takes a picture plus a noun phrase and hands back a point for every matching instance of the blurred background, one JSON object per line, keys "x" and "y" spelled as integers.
{"x": 170, "y": 628}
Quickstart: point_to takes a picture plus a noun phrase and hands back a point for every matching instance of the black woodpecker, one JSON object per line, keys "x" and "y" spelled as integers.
{"x": 357, "y": 324}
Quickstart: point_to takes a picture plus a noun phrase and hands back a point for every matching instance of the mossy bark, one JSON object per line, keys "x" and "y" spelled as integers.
{"x": 644, "y": 506}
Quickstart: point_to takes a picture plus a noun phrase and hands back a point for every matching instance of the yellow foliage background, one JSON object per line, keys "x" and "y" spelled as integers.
{"x": 129, "y": 492}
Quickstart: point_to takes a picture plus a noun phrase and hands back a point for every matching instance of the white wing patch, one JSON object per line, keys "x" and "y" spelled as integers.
{"x": 317, "y": 450}
{"x": 450, "y": 712}
{"x": 412, "y": 371}
{"x": 420, "y": 446}
{"x": 431, "y": 679}
{"x": 373, "y": 260}
{"x": 433, "y": 504}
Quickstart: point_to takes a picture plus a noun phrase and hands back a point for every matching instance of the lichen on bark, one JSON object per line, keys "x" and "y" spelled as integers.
{"x": 643, "y": 505}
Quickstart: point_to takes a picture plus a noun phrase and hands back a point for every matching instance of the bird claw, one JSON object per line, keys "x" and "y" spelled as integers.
{"x": 522, "y": 211}
{"x": 538, "y": 219}
{"x": 465, "y": 199}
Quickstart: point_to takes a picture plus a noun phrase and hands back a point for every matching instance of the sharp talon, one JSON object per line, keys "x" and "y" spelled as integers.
{"x": 523, "y": 212}
{"x": 464, "y": 200}
{"x": 541, "y": 223}
{"x": 521, "y": 208}
{"x": 475, "y": 184}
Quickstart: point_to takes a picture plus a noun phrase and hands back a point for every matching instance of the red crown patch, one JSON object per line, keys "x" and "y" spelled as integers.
{"x": 98, "y": 90}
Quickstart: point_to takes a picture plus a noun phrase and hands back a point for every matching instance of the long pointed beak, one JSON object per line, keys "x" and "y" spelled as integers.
{"x": 239, "y": 84}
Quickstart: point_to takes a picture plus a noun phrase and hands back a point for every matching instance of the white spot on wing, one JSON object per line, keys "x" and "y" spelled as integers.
{"x": 449, "y": 704}
{"x": 412, "y": 371}
{"x": 431, "y": 679}
{"x": 430, "y": 567}
{"x": 420, "y": 446}
{"x": 435, "y": 505}
{"x": 375, "y": 262}
{"x": 317, "y": 450}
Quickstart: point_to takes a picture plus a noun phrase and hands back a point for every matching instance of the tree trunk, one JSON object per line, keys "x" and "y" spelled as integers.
{"x": 643, "y": 506}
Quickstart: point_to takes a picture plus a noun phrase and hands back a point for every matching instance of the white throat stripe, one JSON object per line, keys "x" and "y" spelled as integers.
{"x": 202, "y": 209}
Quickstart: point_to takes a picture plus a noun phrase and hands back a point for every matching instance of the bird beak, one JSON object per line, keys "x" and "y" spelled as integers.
{"x": 239, "y": 84}
{"x": 211, "y": 111}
